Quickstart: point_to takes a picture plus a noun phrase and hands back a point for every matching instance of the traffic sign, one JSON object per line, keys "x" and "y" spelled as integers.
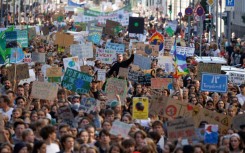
{"x": 188, "y": 11}
{"x": 230, "y": 3}
{"x": 214, "y": 82}
{"x": 210, "y": 2}
{"x": 199, "y": 11}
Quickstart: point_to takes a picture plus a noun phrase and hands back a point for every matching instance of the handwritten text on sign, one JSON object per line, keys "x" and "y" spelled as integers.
{"x": 119, "y": 48}
{"x": 120, "y": 128}
{"x": 44, "y": 90}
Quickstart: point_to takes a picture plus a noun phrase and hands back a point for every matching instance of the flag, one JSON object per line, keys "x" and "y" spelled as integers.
{"x": 156, "y": 37}
{"x": 3, "y": 52}
{"x": 179, "y": 63}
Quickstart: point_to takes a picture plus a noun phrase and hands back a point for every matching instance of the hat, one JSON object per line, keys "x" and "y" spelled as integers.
{"x": 19, "y": 146}
{"x": 188, "y": 78}
{"x": 114, "y": 103}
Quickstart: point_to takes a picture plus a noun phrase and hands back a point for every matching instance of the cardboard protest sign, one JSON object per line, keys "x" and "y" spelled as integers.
{"x": 142, "y": 62}
{"x": 72, "y": 62}
{"x": 95, "y": 34}
{"x": 175, "y": 108}
{"x": 181, "y": 128}
{"x": 89, "y": 105}
{"x": 101, "y": 75}
{"x": 54, "y": 72}
{"x": 211, "y": 117}
{"x": 238, "y": 120}
{"x": 168, "y": 43}
{"x": 207, "y": 68}
{"x": 76, "y": 81}
{"x": 18, "y": 38}
{"x": 30, "y": 79}
{"x": 145, "y": 49}
{"x": 145, "y": 80}
{"x": 63, "y": 40}
{"x": 112, "y": 27}
{"x": 134, "y": 75}
{"x": 115, "y": 87}
{"x": 156, "y": 105}
{"x": 22, "y": 72}
{"x": 84, "y": 50}
{"x": 211, "y": 135}
{"x": 237, "y": 78}
{"x": 160, "y": 83}
{"x": 44, "y": 90}
{"x": 105, "y": 56}
{"x": 118, "y": 48}
{"x": 38, "y": 57}
{"x": 27, "y": 58}
{"x": 120, "y": 128}
{"x": 140, "y": 108}
{"x": 123, "y": 72}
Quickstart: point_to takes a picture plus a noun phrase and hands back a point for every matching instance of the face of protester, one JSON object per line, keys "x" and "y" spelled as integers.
{"x": 7, "y": 84}
{"x": 158, "y": 129}
{"x": 105, "y": 139}
{"x": 84, "y": 136}
{"x": 106, "y": 126}
{"x": 115, "y": 149}
{"x": 23, "y": 150}
{"x": 42, "y": 149}
{"x": 119, "y": 58}
{"x": 21, "y": 103}
{"x": 139, "y": 139}
{"x": 19, "y": 129}
{"x": 138, "y": 89}
{"x": 69, "y": 143}
{"x": 232, "y": 112}
{"x": 20, "y": 91}
{"x": 234, "y": 141}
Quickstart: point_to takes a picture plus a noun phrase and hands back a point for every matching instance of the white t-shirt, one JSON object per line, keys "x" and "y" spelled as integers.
{"x": 8, "y": 113}
{"x": 216, "y": 53}
{"x": 241, "y": 99}
{"x": 52, "y": 148}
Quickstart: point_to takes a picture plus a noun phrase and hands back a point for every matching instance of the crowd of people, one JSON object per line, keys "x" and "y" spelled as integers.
{"x": 32, "y": 125}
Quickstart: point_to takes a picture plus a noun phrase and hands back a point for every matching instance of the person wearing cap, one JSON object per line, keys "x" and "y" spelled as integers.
{"x": 241, "y": 96}
{"x": 120, "y": 63}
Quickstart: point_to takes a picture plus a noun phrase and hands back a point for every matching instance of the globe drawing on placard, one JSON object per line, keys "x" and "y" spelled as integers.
{"x": 148, "y": 50}
{"x": 79, "y": 83}
{"x": 71, "y": 64}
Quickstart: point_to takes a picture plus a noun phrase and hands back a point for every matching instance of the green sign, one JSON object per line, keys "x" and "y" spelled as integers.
{"x": 76, "y": 81}
{"x": 17, "y": 38}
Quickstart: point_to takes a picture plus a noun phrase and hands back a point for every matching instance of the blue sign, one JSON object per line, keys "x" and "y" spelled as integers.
{"x": 188, "y": 11}
{"x": 230, "y": 3}
{"x": 214, "y": 82}
{"x": 17, "y": 55}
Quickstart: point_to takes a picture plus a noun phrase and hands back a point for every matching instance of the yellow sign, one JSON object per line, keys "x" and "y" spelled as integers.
{"x": 140, "y": 108}
{"x": 210, "y": 2}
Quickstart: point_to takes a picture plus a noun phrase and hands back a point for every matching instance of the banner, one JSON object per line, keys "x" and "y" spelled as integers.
{"x": 54, "y": 72}
{"x": 160, "y": 83}
{"x": 95, "y": 34}
{"x": 38, "y": 57}
{"x": 44, "y": 90}
{"x": 140, "y": 108}
{"x": 84, "y": 50}
{"x": 237, "y": 78}
{"x": 71, "y": 62}
{"x": 118, "y": 48}
{"x": 181, "y": 128}
{"x": 18, "y": 38}
{"x": 115, "y": 87}
{"x": 156, "y": 107}
{"x": 142, "y": 62}
{"x": 22, "y": 72}
{"x": 101, "y": 74}
{"x": 89, "y": 105}
{"x": 17, "y": 55}
{"x": 120, "y": 128}
{"x": 145, "y": 80}
{"x": 134, "y": 75}
{"x": 76, "y": 81}
{"x": 188, "y": 51}
{"x": 105, "y": 56}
